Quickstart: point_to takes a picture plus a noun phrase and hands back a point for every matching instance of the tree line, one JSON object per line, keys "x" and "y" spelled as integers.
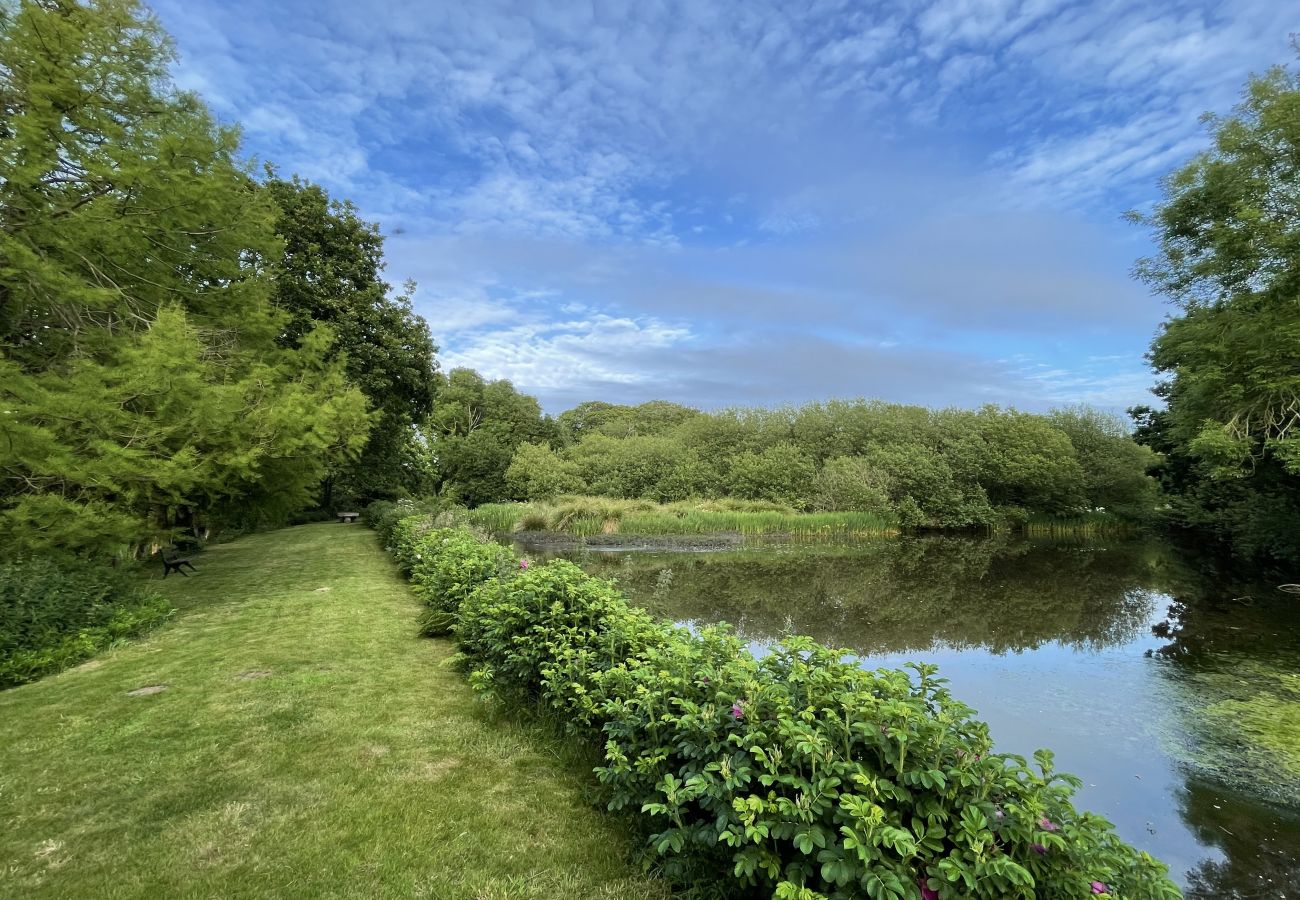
{"x": 920, "y": 467}
{"x": 190, "y": 341}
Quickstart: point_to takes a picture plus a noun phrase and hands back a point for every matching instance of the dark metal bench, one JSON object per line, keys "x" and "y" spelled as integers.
{"x": 176, "y": 565}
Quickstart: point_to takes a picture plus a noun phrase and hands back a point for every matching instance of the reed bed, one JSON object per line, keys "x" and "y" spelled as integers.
{"x": 1087, "y": 525}
{"x": 588, "y": 516}
{"x": 496, "y": 517}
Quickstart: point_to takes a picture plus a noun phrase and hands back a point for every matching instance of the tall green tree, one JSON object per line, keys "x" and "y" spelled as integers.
{"x": 119, "y": 194}
{"x": 1228, "y": 237}
{"x": 474, "y": 432}
{"x": 140, "y": 378}
{"x": 1114, "y": 466}
{"x": 331, "y": 272}
{"x": 617, "y": 420}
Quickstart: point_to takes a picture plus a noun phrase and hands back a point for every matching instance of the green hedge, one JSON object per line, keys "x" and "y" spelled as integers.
{"x": 383, "y": 515}
{"x": 54, "y": 613}
{"x": 451, "y": 564}
{"x": 797, "y": 774}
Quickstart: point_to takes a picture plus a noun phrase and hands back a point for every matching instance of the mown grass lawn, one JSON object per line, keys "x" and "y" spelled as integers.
{"x": 307, "y": 744}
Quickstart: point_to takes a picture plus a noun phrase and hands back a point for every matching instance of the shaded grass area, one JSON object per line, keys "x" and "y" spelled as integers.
{"x": 306, "y": 744}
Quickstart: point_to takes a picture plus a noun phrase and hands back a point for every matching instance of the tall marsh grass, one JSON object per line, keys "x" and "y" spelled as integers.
{"x": 1086, "y": 525}
{"x": 588, "y": 516}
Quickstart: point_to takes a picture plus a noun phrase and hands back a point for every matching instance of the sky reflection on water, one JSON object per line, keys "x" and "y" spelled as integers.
{"x": 1064, "y": 645}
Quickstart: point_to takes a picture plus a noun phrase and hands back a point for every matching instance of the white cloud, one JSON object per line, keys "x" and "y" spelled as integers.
{"x": 1095, "y": 382}
{"x": 550, "y": 356}
{"x": 639, "y": 195}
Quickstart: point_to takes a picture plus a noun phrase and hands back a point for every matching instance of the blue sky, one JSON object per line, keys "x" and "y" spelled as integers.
{"x": 756, "y": 202}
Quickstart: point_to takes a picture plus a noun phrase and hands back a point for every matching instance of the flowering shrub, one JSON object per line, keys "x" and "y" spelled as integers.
{"x": 445, "y": 565}
{"x": 383, "y": 515}
{"x": 795, "y": 775}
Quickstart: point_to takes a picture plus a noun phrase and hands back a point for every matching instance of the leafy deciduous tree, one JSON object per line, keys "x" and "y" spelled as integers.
{"x": 141, "y": 385}
{"x": 1228, "y": 236}
{"x": 331, "y": 272}
{"x": 475, "y": 430}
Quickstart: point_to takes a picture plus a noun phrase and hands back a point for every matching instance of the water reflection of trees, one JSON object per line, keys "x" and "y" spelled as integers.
{"x": 1013, "y": 595}
{"x": 1230, "y": 638}
{"x": 1258, "y": 850}
{"x": 1215, "y": 613}
{"x": 906, "y": 595}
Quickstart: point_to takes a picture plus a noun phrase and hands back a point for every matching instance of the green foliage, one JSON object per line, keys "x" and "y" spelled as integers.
{"x": 536, "y": 472}
{"x": 795, "y": 774}
{"x": 54, "y": 613}
{"x": 918, "y": 467}
{"x": 613, "y": 420}
{"x": 101, "y": 453}
{"x": 925, "y": 491}
{"x": 474, "y": 432}
{"x": 652, "y": 467}
{"x": 1114, "y": 465}
{"x": 142, "y": 385}
{"x": 384, "y": 515}
{"x": 119, "y": 199}
{"x": 851, "y": 483}
{"x": 446, "y": 565}
{"x": 1025, "y": 461}
{"x": 1228, "y": 231}
{"x": 781, "y": 473}
{"x": 331, "y": 273}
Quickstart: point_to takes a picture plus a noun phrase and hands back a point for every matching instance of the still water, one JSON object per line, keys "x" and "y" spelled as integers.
{"x": 1159, "y": 681}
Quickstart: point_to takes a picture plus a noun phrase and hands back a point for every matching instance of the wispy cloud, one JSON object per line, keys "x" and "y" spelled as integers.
{"x": 556, "y": 356}
{"x": 717, "y": 202}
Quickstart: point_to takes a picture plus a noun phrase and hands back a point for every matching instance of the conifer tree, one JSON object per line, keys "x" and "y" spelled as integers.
{"x": 141, "y": 385}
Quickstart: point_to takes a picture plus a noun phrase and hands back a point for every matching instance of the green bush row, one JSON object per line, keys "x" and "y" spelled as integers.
{"x": 383, "y": 515}
{"x": 445, "y": 564}
{"x": 54, "y": 613}
{"x": 795, "y": 774}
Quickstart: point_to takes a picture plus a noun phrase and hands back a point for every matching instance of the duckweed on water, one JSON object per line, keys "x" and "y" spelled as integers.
{"x": 1252, "y": 734}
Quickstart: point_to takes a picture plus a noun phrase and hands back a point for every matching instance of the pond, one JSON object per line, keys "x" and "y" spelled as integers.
{"x": 1171, "y": 688}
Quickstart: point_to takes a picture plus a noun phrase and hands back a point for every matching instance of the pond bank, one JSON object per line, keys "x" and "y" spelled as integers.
{"x": 556, "y": 541}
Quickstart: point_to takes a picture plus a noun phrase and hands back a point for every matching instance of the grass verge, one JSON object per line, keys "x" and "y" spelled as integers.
{"x": 307, "y": 744}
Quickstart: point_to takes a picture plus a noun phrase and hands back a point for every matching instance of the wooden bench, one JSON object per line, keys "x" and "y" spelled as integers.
{"x": 347, "y": 518}
{"x": 175, "y": 565}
